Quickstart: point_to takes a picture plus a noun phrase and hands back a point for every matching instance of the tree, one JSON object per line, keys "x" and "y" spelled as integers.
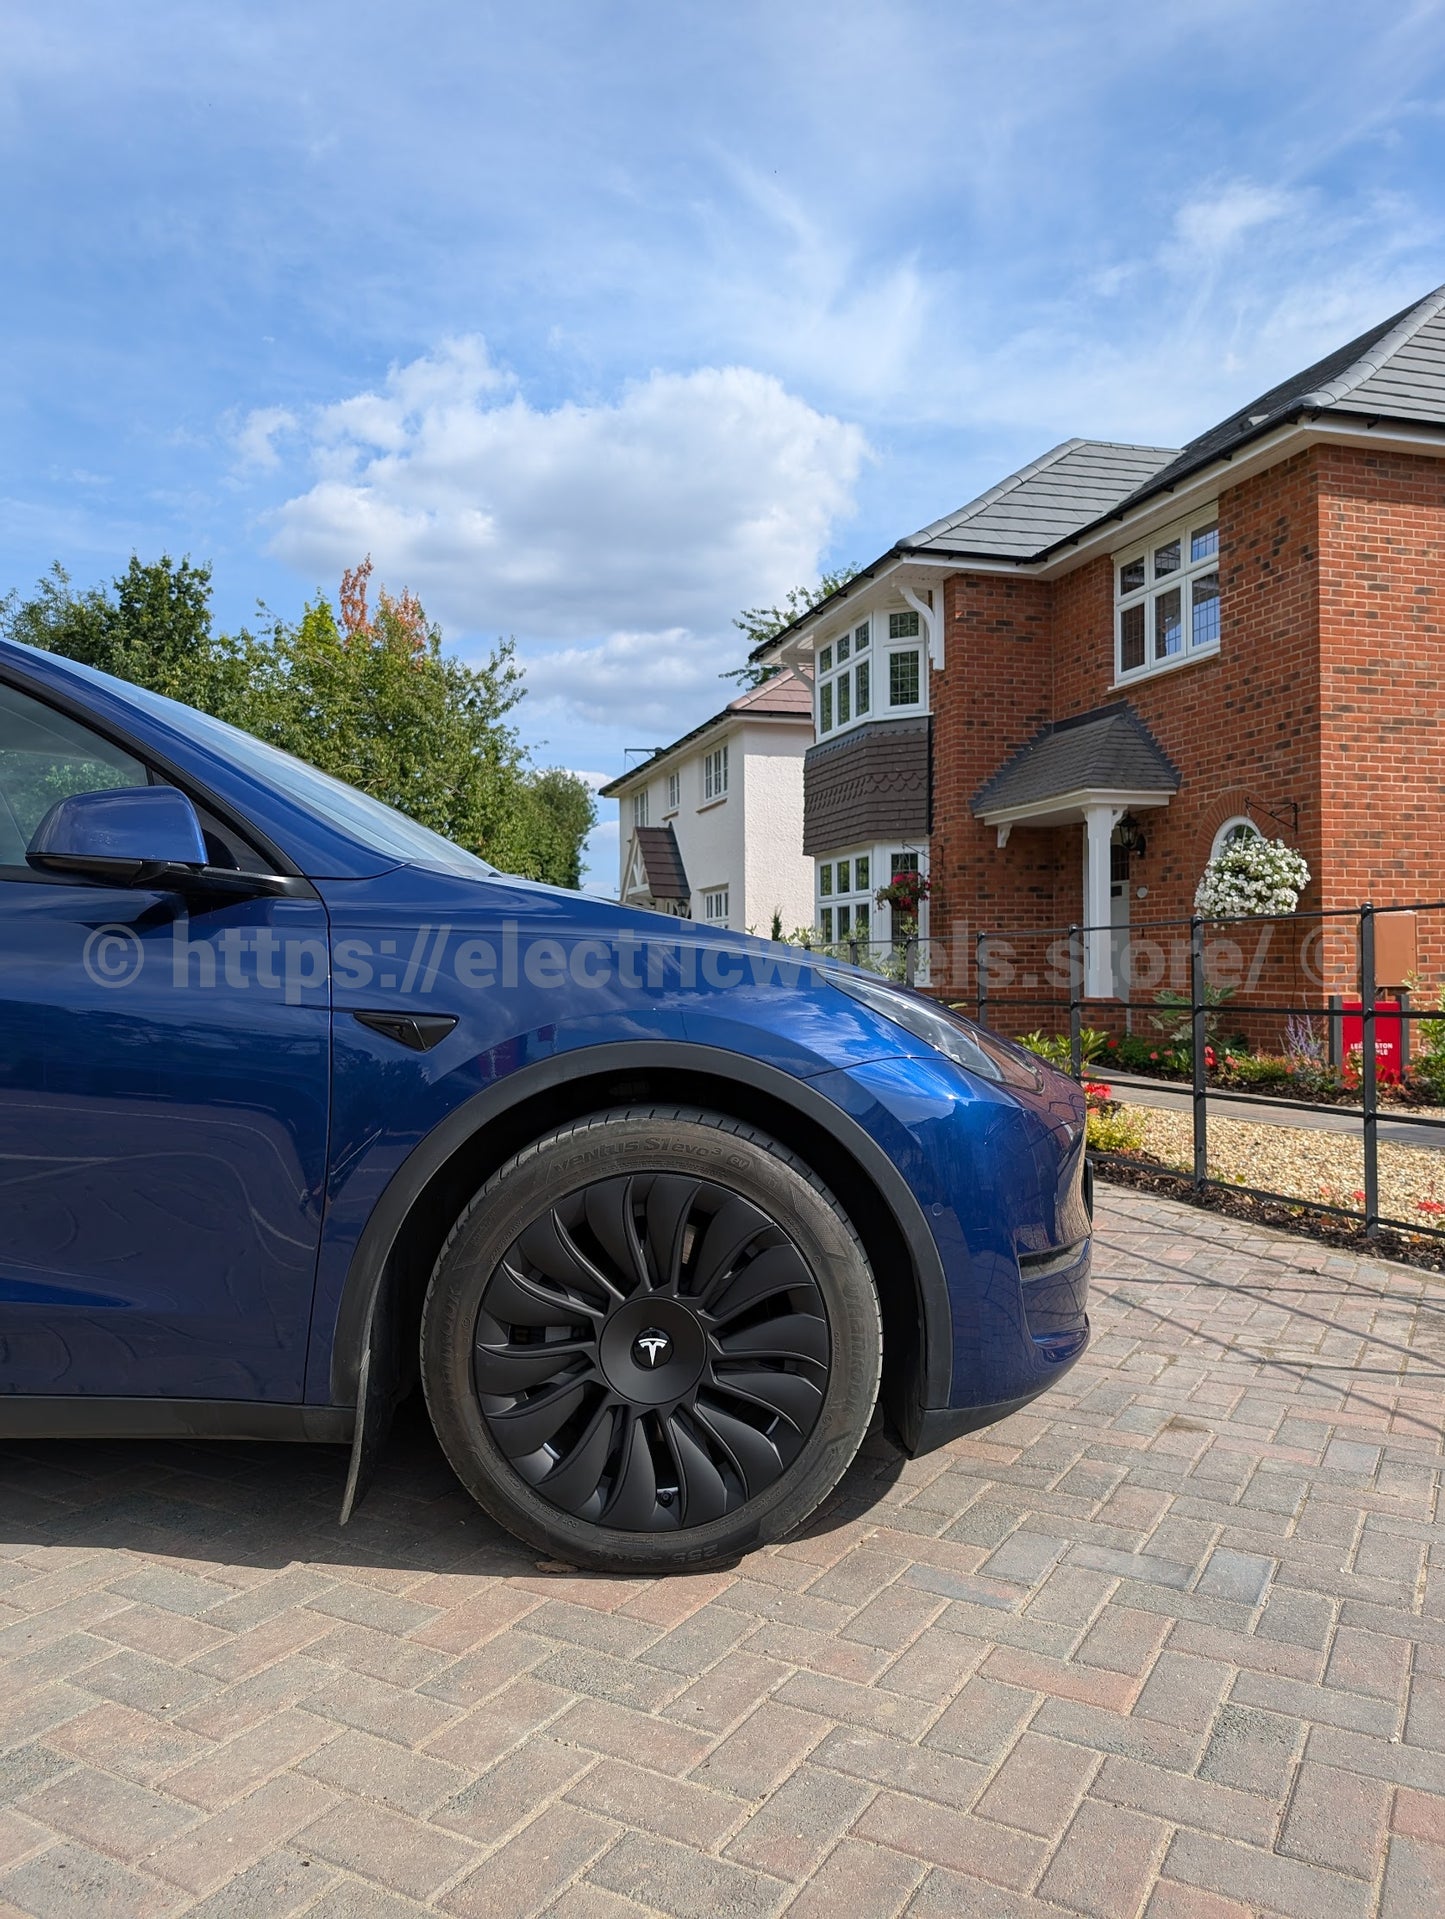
{"x": 764, "y": 623}
{"x": 369, "y": 697}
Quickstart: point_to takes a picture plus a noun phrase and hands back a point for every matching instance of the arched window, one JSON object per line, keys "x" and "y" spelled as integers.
{"x": 1239, "y": 828}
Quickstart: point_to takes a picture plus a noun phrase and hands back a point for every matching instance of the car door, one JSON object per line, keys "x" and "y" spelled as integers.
{"x": 164, "y": 1092}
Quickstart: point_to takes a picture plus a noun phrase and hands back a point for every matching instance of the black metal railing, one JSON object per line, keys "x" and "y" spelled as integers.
{"x": 1071, "y": 1003}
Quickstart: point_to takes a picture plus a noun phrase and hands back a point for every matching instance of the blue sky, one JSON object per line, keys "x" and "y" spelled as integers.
{"x": 595, "y": 323}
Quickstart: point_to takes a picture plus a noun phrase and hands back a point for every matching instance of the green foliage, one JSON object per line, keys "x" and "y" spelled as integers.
{"x": 370, "y": 698}
{"x": 1120, "y": 1131}
{"x": 1427, "y": 1036}
{"x": 775, "y": 931}
{"x": 763, "y": 623}
{"x": 1427, "y": 1073}
{"x": 1257, "y": 1069}
{"x": 1054, "y": 1047}
{"x": 1176, "y": 1020}
{"x": 1135, "y": 1054}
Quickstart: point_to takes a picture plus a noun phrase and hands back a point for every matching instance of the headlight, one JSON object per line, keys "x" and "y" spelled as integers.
{"x": 945, "y": 1031}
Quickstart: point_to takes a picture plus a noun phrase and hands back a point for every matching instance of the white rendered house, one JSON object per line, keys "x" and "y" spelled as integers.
{"x": 712, "y": 826}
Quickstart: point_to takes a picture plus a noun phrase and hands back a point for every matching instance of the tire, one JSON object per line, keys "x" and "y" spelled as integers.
{"x": 651, "y": 1342}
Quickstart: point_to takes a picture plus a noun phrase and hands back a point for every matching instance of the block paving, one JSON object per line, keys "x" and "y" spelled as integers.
{"x": 1169, "y": 1642}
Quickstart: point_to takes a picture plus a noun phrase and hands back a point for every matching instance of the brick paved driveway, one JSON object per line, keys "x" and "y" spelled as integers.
{"x": 1164, "y": 1642}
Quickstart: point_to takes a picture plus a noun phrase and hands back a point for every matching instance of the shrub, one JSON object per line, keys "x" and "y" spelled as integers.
{"x": 1054, "y": 1047}
{"x": 1175, "y": 1018}
{"x": 1257, "y": 1069}
{"x": 1117, "y": 1132}
{"x": 1134, "y": 1054}
{"x": 1427, "y": 1075}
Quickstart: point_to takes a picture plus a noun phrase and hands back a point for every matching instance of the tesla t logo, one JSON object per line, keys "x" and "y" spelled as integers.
{"x": 651, "y": 1348}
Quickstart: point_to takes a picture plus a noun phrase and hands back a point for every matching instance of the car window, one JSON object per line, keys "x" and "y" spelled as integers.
{"x": 46, "y": 756}
{"x": 362, "y": 818}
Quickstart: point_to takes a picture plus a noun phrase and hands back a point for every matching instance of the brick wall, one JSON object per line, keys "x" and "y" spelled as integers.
{"x": 1327, "y": 691}
{"x": 995, "y": 690}
{"x": 1382, "y": 787}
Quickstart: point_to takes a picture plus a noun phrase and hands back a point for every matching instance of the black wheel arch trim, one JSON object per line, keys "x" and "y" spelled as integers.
{"x": 89, "y": 1416}
{"x": 352, "y": 1333}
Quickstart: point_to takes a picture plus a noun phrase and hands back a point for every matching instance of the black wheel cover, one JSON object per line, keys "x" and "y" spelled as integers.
{"x": 651, "y": 1352}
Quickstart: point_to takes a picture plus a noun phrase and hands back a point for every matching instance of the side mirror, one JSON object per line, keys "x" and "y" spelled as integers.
{"x": 127, "y": 835}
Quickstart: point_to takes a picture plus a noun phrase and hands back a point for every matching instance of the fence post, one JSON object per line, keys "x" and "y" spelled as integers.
{"x": 1076, "y": 1039}
{"x": 910, "y": 961}
{"x": 1369, "y": 1077}
{"x": 852, "y": 952}
{"x": 1198, "y": 1032}
{"x": 980, "y": 979}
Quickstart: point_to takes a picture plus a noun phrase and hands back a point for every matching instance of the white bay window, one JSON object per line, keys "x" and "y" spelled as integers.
{"x": 873, "y": 671}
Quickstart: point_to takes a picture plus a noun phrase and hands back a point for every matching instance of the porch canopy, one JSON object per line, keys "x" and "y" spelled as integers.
{"x": 655, "y": 870}
{"x": 1088, "y": 770}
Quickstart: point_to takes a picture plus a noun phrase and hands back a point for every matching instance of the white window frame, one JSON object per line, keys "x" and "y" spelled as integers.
{"x": 715, "y": 774}
{"x": 715, "y": 905}
{"x": 885, "y": 858}
{"x": 639, "y": 806}
{"x": 831, "y": 904}
{"x": 674, "y": 791}
{"x": 872, "y": 643}
{"x": 1156, "y": 584}
{"x": 1230, "y": 830}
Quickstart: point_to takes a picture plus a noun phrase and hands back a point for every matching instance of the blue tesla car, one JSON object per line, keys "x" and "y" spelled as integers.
{"x": 302, "y": 1105}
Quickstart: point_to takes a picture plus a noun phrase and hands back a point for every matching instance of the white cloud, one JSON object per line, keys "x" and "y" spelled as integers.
{"x": 688, "y": 496}
{"x": 653, "y": 683}
{"x": 1212, "y": 223}
{"x": 255, "y": 438}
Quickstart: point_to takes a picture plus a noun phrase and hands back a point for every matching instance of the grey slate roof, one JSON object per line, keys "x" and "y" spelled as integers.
{"x": 662, "y": 862}
{"x": 1394, "y": 371}
{"x": 1044, "y": 502}
{"x": 1107, "y": 751}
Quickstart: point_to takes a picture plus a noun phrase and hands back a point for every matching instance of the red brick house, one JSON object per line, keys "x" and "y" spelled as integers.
{"x": 1124, "y": 644}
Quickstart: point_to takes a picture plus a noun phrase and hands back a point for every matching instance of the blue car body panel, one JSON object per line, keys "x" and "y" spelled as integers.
{"x": 202, "y": 1166}
{"x": 164, "y": 1156}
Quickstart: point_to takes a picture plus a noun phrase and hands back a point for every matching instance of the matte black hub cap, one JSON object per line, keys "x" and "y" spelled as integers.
{"x": 651, "y": 1353}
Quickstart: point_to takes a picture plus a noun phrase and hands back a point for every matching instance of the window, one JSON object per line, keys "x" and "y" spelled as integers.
{"x": 674, "y": 792}
{"x": 715, "y": 906}
{"x": 845, "y": 672}
{"x": 715, "y": 774}
{"x": 1167, "y": 598}
{"x": 639, "y": 808}
{"x": 1239, "y": 828}
{"x": 903, "y": 678}
{"x": 846, "y": 906}
{"x": 45, "y": 757}
{"x": 845, "y": 898}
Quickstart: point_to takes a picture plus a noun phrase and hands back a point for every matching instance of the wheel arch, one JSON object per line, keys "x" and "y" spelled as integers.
{"x": 373, "y": 1356}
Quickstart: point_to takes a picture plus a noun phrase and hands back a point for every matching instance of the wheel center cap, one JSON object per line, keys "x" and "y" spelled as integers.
{"x": 652, "y": 1348}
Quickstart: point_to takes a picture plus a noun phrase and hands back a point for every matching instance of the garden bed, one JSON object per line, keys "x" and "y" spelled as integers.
{"x": 1389, "y": 1093}
{"x": 1308, "y": 1168}
{"x": 1410, "y": 1249}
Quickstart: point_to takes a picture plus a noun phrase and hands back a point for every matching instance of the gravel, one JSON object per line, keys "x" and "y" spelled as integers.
{"x": 1302, "y": 1163}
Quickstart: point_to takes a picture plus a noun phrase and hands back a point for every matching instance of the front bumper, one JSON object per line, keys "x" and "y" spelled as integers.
{"x": 1001, "y": 1179}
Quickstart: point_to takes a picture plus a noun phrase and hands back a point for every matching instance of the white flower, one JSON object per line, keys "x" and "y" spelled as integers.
{"x": 1251, "y": 877}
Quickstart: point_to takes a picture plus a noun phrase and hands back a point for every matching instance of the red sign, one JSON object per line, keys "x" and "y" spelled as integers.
{"x": 1389, "y": 1035}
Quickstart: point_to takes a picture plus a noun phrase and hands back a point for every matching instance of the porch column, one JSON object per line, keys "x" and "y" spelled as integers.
{"x": 1099, "y": 824}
